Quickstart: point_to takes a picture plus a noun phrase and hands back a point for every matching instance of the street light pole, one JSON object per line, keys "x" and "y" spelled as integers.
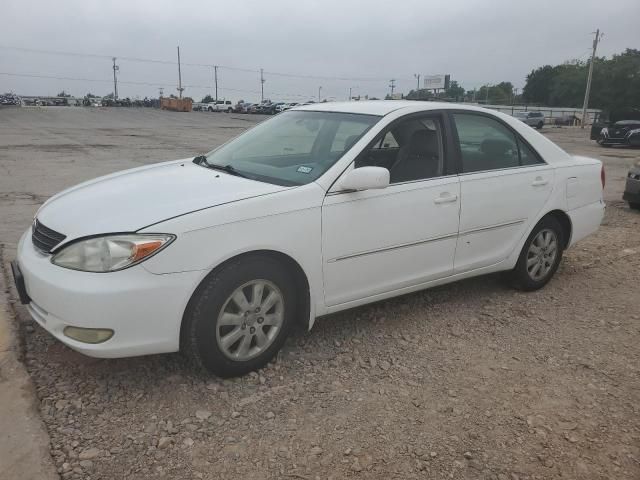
{"x": 417, "y": 76}
{"x": 215, "y": 80}
{"x": 319, "y": 90}
{"x": 115, "y": 79}
{"x": 180, "y": 89}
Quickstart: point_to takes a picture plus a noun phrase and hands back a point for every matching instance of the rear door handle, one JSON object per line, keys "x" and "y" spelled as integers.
{"x": 445, "y": 197}
{"x": 539, "y": 182}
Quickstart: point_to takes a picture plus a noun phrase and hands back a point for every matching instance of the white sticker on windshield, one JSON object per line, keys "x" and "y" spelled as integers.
{"x": 303, "y": 169}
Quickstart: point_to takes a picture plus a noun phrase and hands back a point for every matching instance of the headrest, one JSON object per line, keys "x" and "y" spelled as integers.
{"x": 495, "y": 146}
{"x": 424, "y": 142}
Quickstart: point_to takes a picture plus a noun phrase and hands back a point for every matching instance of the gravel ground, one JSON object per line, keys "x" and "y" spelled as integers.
{"x": 468, "y": 381}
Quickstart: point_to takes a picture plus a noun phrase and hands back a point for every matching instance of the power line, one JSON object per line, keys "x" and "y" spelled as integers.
{"x": 204, "y": 65}
{"x": 148, "y": 84}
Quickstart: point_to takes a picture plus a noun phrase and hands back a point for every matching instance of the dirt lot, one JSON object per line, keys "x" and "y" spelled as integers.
{"x": 467, "y": 381}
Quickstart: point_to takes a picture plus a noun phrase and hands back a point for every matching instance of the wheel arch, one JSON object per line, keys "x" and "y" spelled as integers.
{"x": 293, "y": 267}
{"x": 565, "y": 222}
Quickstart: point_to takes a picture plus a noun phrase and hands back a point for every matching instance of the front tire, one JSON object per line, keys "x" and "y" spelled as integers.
{"x": 540, "y": 256}
{"x": 240, "y": 316}
{"x": 634, "y": 205}
{"x": 211, "y": 109}
{"x": 539, "y": 125}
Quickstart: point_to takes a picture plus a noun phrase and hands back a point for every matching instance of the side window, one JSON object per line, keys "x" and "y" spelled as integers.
{"x": 527, "y": 156}
{"x": 387, "y": 142}
{"x": 485, "y": 144}
{"x": 411, "y": 150}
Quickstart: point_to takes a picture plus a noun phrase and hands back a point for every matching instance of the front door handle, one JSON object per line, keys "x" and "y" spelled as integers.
{"x": 539, "y": 182}
{"x": 445, "y": 198}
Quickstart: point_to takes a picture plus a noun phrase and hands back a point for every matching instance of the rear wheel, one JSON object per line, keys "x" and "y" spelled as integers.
{"x": 540, "y": 256}
{"x": 540, "y": 125}
{"x": 240, "y": 316}
{"x": 211, "y": 109}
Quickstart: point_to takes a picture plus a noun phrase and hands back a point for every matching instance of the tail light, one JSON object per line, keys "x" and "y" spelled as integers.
{"x": 602, "y": 176}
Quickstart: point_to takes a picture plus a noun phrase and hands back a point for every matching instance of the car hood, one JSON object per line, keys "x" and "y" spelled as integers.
{"x": 133, "y": 199}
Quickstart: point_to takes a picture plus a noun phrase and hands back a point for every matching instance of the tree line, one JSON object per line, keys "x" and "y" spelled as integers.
{"x": 615, "y": 86}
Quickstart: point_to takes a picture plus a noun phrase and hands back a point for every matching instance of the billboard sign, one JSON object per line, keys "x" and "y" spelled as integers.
{"x": 436, "y": 82}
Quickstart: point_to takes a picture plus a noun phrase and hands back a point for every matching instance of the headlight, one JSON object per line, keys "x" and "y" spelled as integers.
{"x": 111, "y": 253}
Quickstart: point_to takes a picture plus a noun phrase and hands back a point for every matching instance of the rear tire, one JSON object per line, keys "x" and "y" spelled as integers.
{"x": 233, "y": 325}
{"x": 211, "y": 109}
{"x": 540, "y": 125}
{"x": 540, "y": 256}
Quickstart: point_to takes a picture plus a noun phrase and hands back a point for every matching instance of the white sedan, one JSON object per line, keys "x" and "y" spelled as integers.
{"x": 319, "y": 209}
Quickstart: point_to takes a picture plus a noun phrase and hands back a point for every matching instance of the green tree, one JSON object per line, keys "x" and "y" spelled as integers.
{"x": 63, "y": 94}
{"x": 615, "y": 84}
{"x": 207, "y": 99}
{"x": 455, "y": 91}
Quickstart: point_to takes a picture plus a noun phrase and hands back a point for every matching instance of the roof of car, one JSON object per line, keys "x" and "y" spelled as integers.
{"x": 380, "y": 107}
{"x": 627, "y": 122}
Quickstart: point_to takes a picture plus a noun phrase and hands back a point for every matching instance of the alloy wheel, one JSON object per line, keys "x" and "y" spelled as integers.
{"x": 542, "y": 254}
{"x": 249, "y": 320}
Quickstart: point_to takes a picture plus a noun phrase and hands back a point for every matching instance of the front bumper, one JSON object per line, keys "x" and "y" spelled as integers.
{"x": 143, "y": 309}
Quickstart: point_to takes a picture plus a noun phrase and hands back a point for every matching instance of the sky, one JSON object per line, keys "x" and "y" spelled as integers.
{"x": 328, "y": 45}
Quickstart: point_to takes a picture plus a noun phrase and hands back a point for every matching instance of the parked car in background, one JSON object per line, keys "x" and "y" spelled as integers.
{"x": 566, "y": 120}
{"x": 608, "y": 119}
{"x": 9, "y": 99}
{"x": 287, "y": 106}
{"x": 623, "y": 132}
{"x": 272, "y": 108}
{"x": 533, "y": 119}
{"x": 314, "y": 211}
{"x": 242, "y": 107}
{"x": 220, "y": 106}
{"x": 632, "y": 187}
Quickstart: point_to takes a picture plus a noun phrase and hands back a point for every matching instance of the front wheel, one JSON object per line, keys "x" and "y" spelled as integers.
{"x": 540, "y": 256}
{"x": 240, "y": 316}
{"x": 634, "y": 205}
{"x": 540, "y": 125}
{"x": 210, "y": 109}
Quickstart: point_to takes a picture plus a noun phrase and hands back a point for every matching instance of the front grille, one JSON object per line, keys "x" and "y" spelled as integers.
{"x": 44, "y": 238}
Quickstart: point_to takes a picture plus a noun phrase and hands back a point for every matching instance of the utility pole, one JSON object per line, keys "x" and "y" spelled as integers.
{"x": 180, "y": 89}
{"x": 392, "y": 85}
{"x": 486, "y": 100}
{"x": 585, "y": 105}
{"x": 161, "y": 90}
{"x": 262, "y": 85}
{"x": 417, "y": 75}
{"x": 350, "y": 93}
{"x": 319, "y": 90}
{"x": 215, "y": 80}
{"x": 115, "y": 79}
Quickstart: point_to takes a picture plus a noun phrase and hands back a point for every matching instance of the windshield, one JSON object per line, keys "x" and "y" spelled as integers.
{"x": 294, "y": 147}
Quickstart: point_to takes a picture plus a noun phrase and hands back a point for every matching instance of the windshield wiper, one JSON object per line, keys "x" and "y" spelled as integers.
{"x": 202, "y": 160}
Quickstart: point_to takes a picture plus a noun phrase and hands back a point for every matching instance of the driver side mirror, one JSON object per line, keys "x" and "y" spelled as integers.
{"x": 366, "y": 178}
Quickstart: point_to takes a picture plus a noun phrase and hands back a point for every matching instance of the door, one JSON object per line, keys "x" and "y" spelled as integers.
{"x": 377, "y": 241}
{"x": 504, "y": 184}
